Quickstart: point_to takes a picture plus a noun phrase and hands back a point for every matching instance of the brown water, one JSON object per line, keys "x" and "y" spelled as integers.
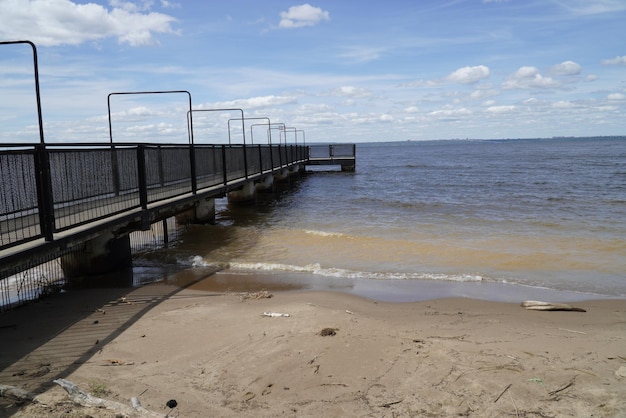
{"x": 491, "y": 219}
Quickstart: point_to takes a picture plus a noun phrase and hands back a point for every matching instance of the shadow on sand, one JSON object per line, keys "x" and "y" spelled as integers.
{"x": 49, "y": 339}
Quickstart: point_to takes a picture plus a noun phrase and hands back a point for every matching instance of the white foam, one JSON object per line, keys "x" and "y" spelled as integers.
{"x": 317, "y": 269}
{"x": 197, "y": 261}
{"x": 323, "y": 233}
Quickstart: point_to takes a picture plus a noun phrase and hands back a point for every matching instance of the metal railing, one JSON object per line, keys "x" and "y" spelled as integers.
{"x": 331, "y": 151}
{"x": 50, "y": 188}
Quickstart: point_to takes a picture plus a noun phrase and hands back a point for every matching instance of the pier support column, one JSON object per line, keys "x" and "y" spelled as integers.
{"x": 265, "y": 185}
{"x": 103, "y": 254}
{"x": 246, "y": 194}
{"x": 294, "y": 169}
{"x": 282, "y": 176}
{"x": 204, "y": 212}
{"x": 348, "y": 168}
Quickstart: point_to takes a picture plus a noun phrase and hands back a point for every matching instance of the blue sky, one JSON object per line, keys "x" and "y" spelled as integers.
{"x": 341, "y": 71}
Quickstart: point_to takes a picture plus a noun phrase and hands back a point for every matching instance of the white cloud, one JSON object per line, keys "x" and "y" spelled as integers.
{"x": 483, "y": 94}
{"x": 58, "y": 22}
{"x": 500, "y": 109}
{"x": 362, "y": 53}
{"x": 591, "y": 7}
{"x": 141, "y": 111}
{"x": 350, "y": 91}
{"x": 421, "y": 83}
{"x": 615, "y": 61}
{"x": 451, "y": 112}
{"x": 254, "y": 102}
{"x": 566, "y": 68}
{"x": 412, "y": 109}
{"x": 169, "y": 4}
{"x": 528, "y": 78}
{"x": 469, "y": 75}
{"x": 616, "y": 96}
{"x": 526, "y": 72}
{"x": 301, "y": 16}
{"x": 563, "y": 104}
{"x": 132, "y": 7}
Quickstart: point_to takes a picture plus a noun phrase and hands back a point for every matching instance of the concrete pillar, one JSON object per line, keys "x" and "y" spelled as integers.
{"x": 348, "y": 168}
{"x": 282, "y": 176}
{"x": 103, "y": 254}
{"x": 266, "y": 184}
{"x": 294, "y": 170}
{"x": 204, "y": 212}
{"x": 247, "y": 194}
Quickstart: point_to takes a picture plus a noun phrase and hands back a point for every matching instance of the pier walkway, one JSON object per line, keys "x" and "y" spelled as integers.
{"x": 56, "y": 197}
{"x": 78, "y": 202}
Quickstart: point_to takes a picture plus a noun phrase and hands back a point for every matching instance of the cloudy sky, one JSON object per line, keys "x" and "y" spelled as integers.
{"x": 341, "y": 71}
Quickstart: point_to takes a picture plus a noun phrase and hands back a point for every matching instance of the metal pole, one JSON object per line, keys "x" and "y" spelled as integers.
{"x": 303, "y": 138}
{"x": 251, "y": 136}
{"x": 190, "y": 119}
{"x": 291, "y": 129}
{"x": 37, "y": 91}
{"x": 260, "y": 124}
{"x": 281, "y": 127}
{"x": 301, "y": 155}
{"x": 223, "y": 110}
{"x": 192, "y": 153}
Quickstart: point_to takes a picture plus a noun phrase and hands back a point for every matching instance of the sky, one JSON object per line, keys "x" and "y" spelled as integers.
{"x": 328, "y": 71}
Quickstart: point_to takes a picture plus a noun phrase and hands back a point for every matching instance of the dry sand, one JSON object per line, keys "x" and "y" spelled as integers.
{"x": 217, "y": 355}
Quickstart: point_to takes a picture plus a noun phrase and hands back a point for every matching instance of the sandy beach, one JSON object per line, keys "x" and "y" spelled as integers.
{"x": 216, "y": 352}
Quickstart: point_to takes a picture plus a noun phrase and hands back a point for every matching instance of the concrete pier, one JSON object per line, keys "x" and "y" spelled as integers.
{"x": 203, "y": 213}
{"x": 88, "y": 202}
{"x": 266, "y": 184}
{"x": 103, "y": 254}
{"x": 243, "y": 195}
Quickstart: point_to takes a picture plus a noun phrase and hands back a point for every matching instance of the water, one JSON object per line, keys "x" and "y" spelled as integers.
{"x": 493, "y": 219}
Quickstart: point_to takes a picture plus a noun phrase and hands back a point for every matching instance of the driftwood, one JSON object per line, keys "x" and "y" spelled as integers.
{"x": 536, "y": 305}
{"x": 16, "y": 394}
{"x": 502, "y": 393}
{"x": 84, "y": 399}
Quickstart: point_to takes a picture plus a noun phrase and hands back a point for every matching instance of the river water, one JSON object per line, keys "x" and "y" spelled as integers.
{"x": 499, "y": 220}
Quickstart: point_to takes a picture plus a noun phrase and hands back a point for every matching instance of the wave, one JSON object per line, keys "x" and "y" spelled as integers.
{"x": 317, "y": 269}
{"x": 324, "y": 233}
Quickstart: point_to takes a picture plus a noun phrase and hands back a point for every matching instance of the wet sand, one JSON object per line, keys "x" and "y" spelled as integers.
{"x": 210, "y": 347}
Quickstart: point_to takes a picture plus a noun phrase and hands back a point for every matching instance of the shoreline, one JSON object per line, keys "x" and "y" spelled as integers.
{"x": 391, "y": 290}
{"x": 216, "y": 354}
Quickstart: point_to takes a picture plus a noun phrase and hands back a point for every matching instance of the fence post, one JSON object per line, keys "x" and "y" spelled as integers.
{"x": 225, "y": 170}
{"x": 142, "y": 180}
{"x": 192, "y": 168}
{"x": 160, "y": 165}
{"x": 45, "y": 199}
{"x": 115, "y": 170}
{"x": 245, "y": 161}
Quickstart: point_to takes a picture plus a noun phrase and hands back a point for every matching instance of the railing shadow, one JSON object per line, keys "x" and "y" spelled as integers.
{"x": 52, "y": 338}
